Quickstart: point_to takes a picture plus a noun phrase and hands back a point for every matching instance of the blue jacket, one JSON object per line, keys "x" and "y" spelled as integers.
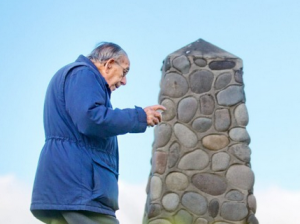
{"x": 78, "y": 165}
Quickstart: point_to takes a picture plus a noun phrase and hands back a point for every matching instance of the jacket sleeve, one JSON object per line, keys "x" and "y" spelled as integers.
{"x": 85, "y": 100}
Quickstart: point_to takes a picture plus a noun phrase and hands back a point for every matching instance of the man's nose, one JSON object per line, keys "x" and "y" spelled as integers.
{"x": 124, "y": 81}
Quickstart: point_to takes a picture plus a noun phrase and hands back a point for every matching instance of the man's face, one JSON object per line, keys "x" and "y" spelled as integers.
{"x": 116, "y": 74}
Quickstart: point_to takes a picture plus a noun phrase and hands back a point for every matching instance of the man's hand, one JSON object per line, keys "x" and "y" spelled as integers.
{"x": 153, "y": 114}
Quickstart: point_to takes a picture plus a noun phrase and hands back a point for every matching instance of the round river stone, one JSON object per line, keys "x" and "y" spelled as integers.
{"x": 220, "y": 161}
{"x": 252, "y": 203}
{"x": 201, "y": 221}
{"x": 160, "y": 221}
{"x": 170, "y": 201}
{"x": 222, "y": 119}
{"x": 207, "y": 104}
{"x": 252, "y": 219}
{"x": 223, "y": 80}
{"x": 202, "y": 124}
{"x": 241, "y": 115}
{"x": 220, "y": 65}
{"x": 154, "y": 210}
{"x": 155, "y": 188}
{"x": 182, "y": 63}
{"x": 239, "y": 135}
{"x": 187, "y": 108}
{"x": 201, "y": 81}
{"x": 209, "y": 183}
{"x": 200, "y": 62}
{"x": 231, "y": 95}
{"x": 196, "y": 160}
{"x": 185, "y": 136}
{"x": 159, "y": 162}
{"x": 240, "y": 176}
{"x": 173, "y": 154}
{"x": 213, "y": 208}
{"x": 183, "y": 217}
{"x": 170, "y": 112}
{"x": 174, "y": 85}
{"x": 238, "y": 76}
{"x": 194, "y": 202}
{"x": 234, "y": 211}
{"x": 166, "y": 64}
{"x": 215, "y": 142}
{"x": 177, "y": 181}
{"x": 162, "y": 134}
{"x": 241, "y": 151}
{"x": 234, "y": 195}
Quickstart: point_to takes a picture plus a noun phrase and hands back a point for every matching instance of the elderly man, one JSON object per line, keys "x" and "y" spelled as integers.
{"x": 77, "y": 175}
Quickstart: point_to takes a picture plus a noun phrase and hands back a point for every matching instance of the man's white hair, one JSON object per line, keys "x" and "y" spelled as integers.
{"x": 105, "y": 51}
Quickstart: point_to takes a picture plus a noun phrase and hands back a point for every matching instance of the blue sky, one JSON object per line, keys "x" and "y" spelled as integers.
{"x": 39, "y": 37}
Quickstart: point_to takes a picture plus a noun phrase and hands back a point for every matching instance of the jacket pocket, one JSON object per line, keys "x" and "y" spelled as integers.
{"x": 105, "y": 188}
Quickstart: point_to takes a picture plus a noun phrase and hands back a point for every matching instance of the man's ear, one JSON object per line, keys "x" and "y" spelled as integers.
{"x": 109, "y": 63}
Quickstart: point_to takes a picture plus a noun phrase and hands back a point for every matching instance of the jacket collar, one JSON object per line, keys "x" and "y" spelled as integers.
{"x": 84, "y": 59}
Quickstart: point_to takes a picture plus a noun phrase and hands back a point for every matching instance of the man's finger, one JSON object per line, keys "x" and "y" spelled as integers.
{"x": 158, "y": 107}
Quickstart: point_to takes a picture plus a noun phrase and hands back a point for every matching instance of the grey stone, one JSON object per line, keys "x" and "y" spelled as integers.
{"x": 155, "y": 188}
{"x": 240, "y": 176}
{"x": 185, "y": 135}
{"x": 177, "y": 181}
{"x": 222, "y": 119}
{"x": 201, "y": 221}
{"x": 170, "y": 201}
{"x": 194, "y": 202}
{"x": 252, "y": 219}
{"x": 174, "y": 85}
{"x": 162, "y": 134}
{"x": 215, "y": 142}
{"x": 159, "y": 162}
{"x": 238, "y": 76}
{"x": 239, "y": 135}
{"x": 223, "y": 80}
{"x": 234, "y": 211}
{"x": 202, "y": 124}
{"x": 234, "y": 195}
{"x": 252, "y": 203}
{"x": 160, "y": 221}
{"x": 241, "y": 115}
{"x": 220, "y": 65}
{"x": 196, "y": 160}
{"x": 173, "y": 154}
{"x": 183, "y": 217}
{"x": 205, "y": 49}
{"x": 241, "y": 151}
{"x": 231, "y": 95}
{"x": 182, "y": 63}
{"x": 220, "y": 161}
{"x": 201, "y": 81}
{"x": 200, "y": 62}
{"x": 222, "y": 223}
{"x": 210, "y": 183}
{"x": 187, "y": 108}
{"x": 213, "y": 208}
{"x": 167, "y": 64}
{"x": 170, "y": 111}
{"x": 207, "y": 104}
{"x": 154, "y": 210}
{"x": 148, "y": 185}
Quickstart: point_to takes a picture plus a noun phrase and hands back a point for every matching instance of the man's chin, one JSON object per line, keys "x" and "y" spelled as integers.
{"x": 114, "y": 87}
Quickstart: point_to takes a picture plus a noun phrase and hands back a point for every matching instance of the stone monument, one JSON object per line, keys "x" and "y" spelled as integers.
{"x": 201, "y": 171}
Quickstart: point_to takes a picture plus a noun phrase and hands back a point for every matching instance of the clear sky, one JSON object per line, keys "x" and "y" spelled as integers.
{"x": 39, "y": 37}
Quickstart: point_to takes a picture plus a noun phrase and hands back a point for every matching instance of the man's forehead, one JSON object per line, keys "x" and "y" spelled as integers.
{"x": 124, "y": 59}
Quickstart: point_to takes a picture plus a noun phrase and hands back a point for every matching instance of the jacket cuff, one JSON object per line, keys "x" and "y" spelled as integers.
{"x": 142, "y": 119}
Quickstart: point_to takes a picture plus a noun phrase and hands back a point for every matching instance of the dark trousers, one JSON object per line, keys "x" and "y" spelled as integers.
{"x": 82, "y": 217}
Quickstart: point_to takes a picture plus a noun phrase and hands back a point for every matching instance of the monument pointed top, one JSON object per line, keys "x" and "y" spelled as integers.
{"x": 205, "y": 49}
